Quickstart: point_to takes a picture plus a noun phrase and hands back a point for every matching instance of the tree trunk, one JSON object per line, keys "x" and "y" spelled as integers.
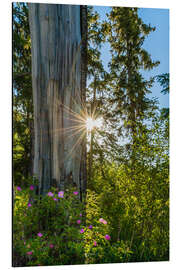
{"x": 84, "y": 30}
{"x": 93, "y": 113}
{"x": 58, "y": 86}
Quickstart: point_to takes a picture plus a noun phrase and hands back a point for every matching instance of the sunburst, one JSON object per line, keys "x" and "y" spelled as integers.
{"x": 93, "y": 123}
{"x": 79, "y": 123}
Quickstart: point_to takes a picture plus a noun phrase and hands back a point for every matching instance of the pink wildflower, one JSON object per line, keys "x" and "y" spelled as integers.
{"x": 51, "y": 245}
{"x": 29, "y": 204}
{"x": 61, "y": 194}
{"x": 29, "y": 253}
{"x": 19, "y": 188}
{"x": 55, "y": 199}
{"x": 50, "y": 194}
{"x": 95, "y": 243}
{"x": 40, "y": 234}
{"x": 102, "y": 221}
{"x": 82, "y": 230}
{"x": 80, "y": 215}
{"x": 31, "y": 187}
{"x": 107, "y": 237}
{"x": 78, "y": 221}
{"x": 75, "y": 192}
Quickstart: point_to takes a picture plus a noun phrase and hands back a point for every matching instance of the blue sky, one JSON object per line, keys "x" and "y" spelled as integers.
{"x": 157, "y": 44}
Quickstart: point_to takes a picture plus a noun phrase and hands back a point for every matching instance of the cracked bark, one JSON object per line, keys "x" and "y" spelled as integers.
{"x": 58, "y": 78}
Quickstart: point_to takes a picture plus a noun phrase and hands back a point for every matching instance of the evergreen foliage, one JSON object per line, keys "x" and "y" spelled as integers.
{"x": 126, "y": 34}
{"x": 22, "y": 95}
{"x": 164, "y": 82}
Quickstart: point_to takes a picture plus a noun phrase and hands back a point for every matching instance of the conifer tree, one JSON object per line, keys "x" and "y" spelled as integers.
{"x": 96, "y": 74}
{"x": 102, "y": 139}
{"x": 22, "y": 94}
{"x": 126, "y": 34}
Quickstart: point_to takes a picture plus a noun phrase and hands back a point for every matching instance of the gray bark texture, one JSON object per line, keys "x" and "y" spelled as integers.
{"x": 59, "y": 78}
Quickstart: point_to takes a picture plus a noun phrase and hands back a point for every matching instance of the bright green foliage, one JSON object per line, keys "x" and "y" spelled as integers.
{"x": 97, "y": 248}
{"x": 136, "y": 209}
{"x": 134, "y": 198}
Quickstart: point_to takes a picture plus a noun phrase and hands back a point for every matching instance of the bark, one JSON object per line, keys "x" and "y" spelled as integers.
{"x": 57, "y": 92}
{"x": 84, "y": 30}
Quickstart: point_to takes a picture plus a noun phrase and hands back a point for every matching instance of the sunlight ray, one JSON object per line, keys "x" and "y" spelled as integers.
{"x": 77, "y": 143}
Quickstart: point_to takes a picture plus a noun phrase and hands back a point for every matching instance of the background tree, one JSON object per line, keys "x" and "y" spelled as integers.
{"x": 101, "y": 138}
{"x": 22, "y": 95}
{"x": 126, "y": 34}
{"x": 96, "y": 73}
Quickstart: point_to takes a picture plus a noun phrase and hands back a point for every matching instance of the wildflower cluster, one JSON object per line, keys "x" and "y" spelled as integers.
{"x": 51, "y": 230}
{"x": 46, "y": 228}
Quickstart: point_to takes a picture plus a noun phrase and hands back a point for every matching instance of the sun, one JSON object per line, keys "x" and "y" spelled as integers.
{"x": 93, "y": 123}
{"x": 89, "y": 123}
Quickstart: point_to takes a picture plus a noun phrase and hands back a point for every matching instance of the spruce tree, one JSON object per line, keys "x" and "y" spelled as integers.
{"x": 126, "y": 34}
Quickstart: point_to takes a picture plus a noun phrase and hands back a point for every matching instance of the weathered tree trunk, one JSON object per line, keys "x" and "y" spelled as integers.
{"x": 58, "y": 76}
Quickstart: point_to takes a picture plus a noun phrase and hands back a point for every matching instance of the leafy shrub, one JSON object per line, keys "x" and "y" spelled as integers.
{"x": 46, "y": 231}
{"x": 55, "y": 230}
{"x": 135, "y": 203}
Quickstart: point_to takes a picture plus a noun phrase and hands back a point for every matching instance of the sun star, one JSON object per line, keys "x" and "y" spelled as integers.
{"x": 93, "y": 123}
